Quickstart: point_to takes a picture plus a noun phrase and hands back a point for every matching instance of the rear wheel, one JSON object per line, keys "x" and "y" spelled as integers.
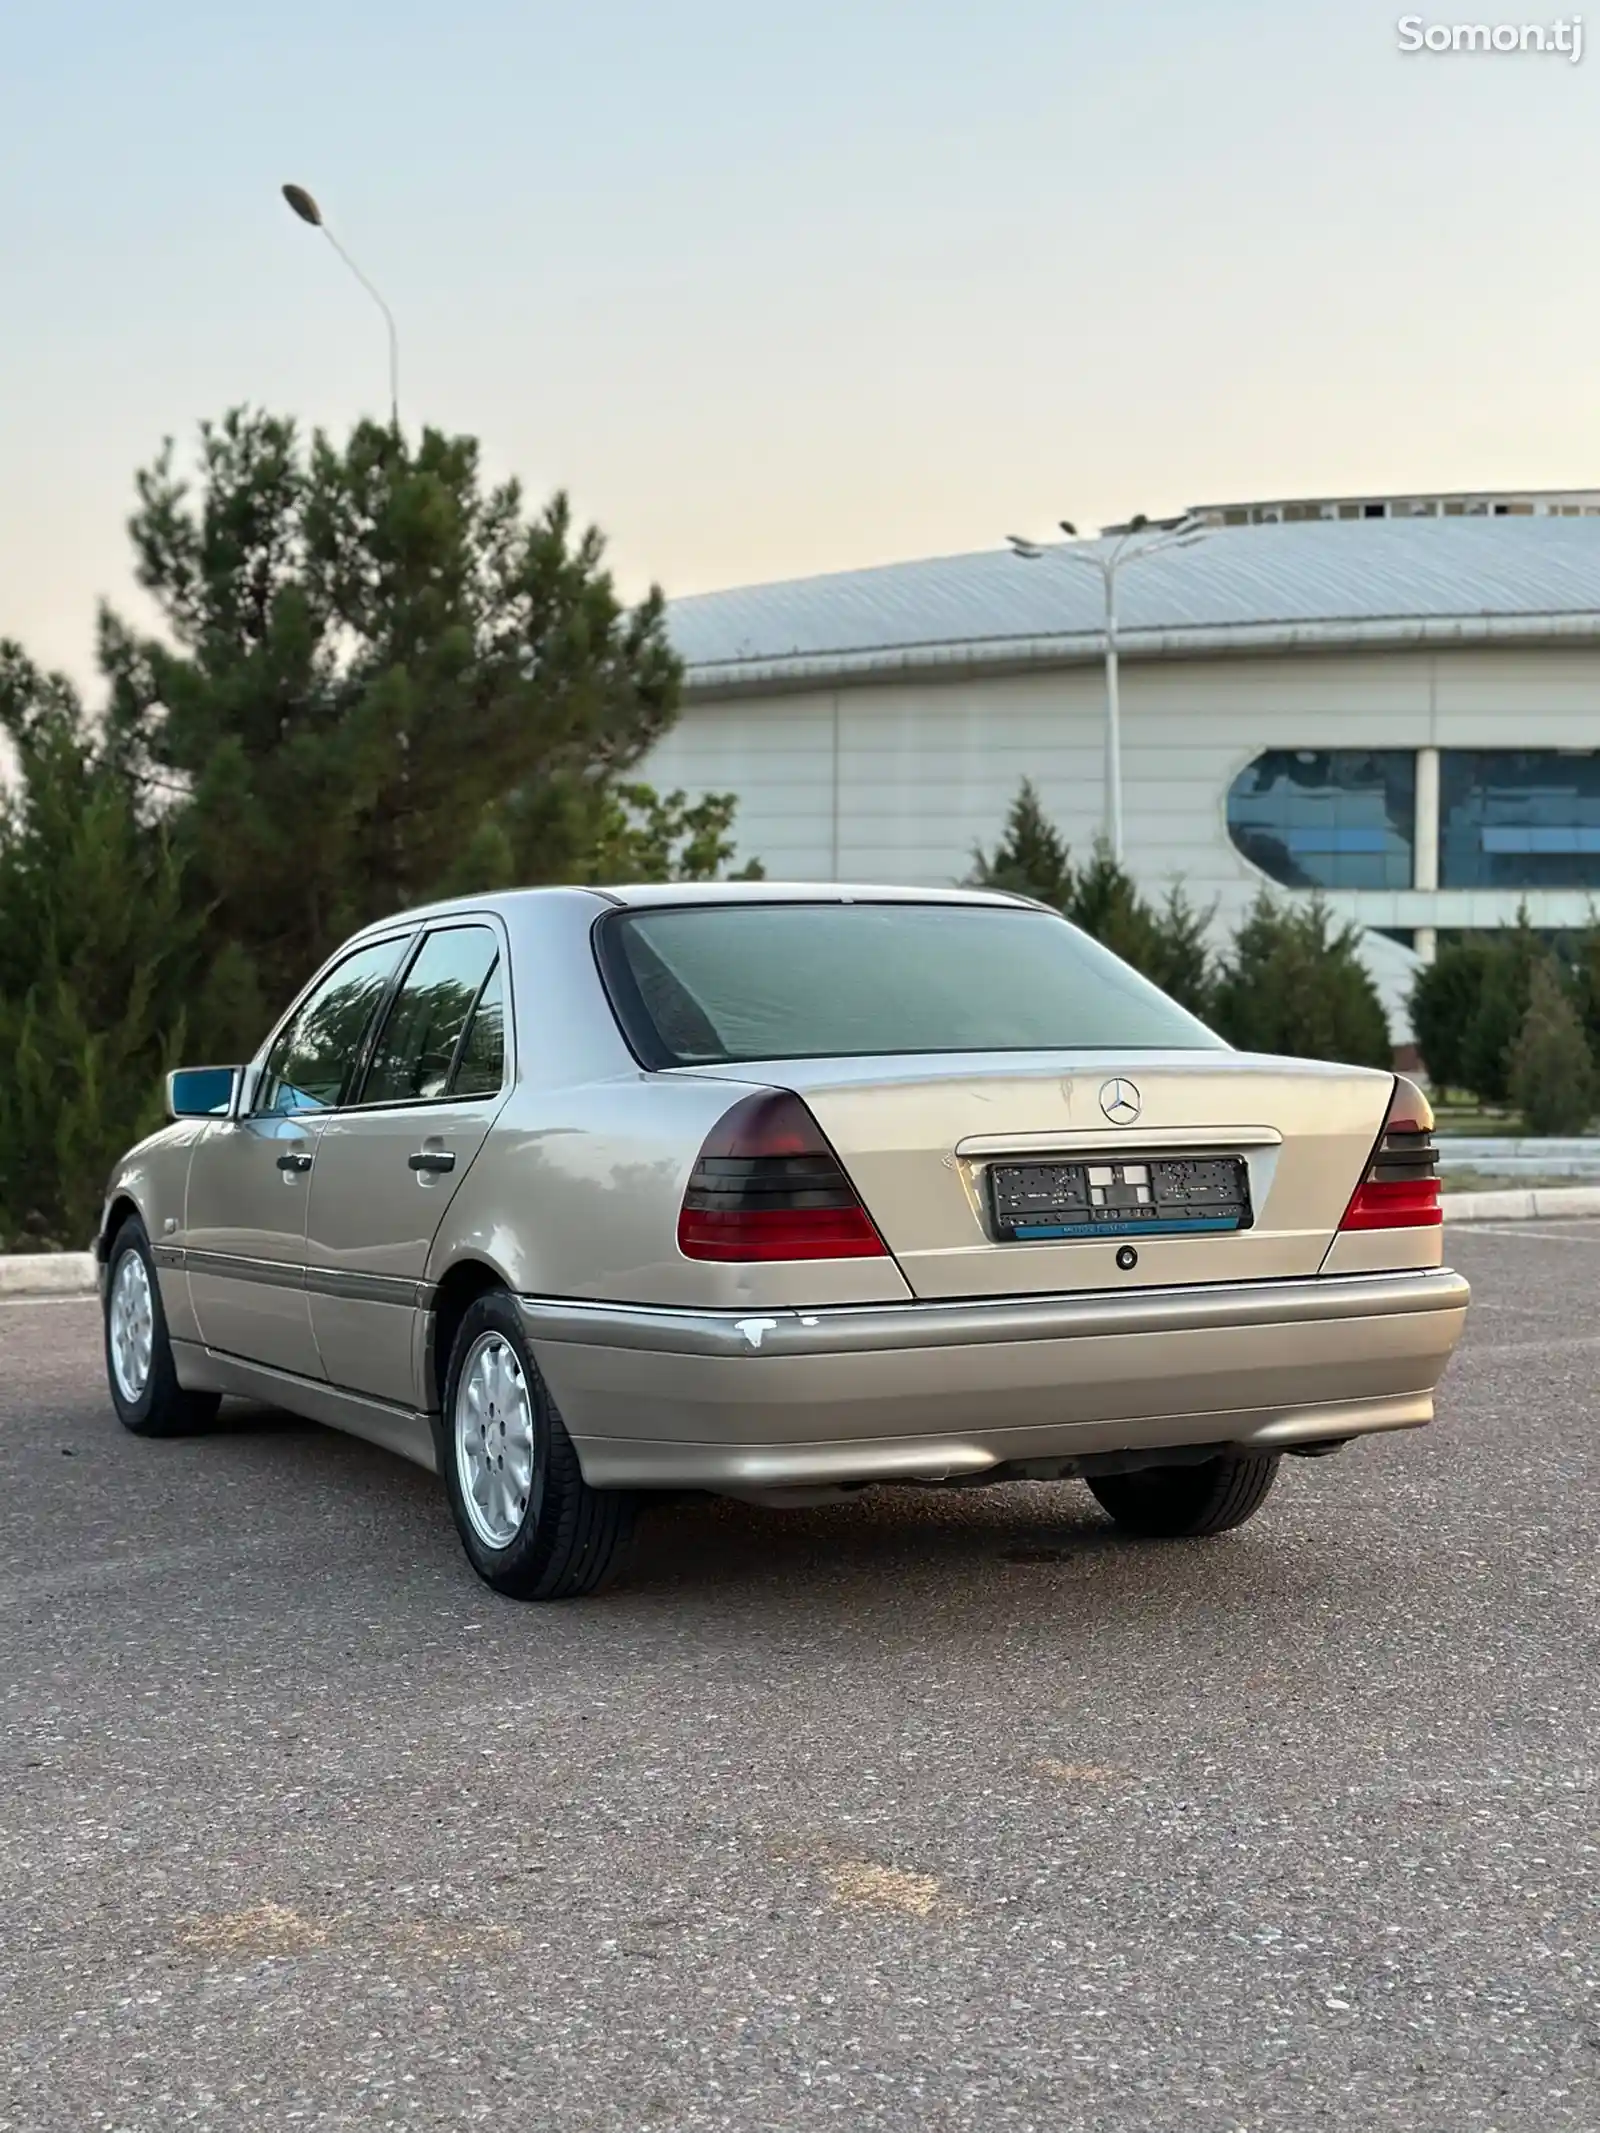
{"x": 531, "y": 1525}
{"x": 139, "y": 1365}
{"x": 1188, "y": 1502}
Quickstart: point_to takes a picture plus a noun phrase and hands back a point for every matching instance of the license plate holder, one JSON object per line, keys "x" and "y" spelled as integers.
{"x": 1142, "y": 1196}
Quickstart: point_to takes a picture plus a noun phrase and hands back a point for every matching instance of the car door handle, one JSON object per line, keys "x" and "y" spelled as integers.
{"x": 432, "y": 1159}
{"x": 297, "y": 1161}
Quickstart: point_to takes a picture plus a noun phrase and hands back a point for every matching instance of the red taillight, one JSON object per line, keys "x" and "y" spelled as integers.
{"x": 748, "y": 1233}
{"x": 768, "y": 1186}
{"x": 1401, "y": 1187}
{"x": 1394, "y": 1203}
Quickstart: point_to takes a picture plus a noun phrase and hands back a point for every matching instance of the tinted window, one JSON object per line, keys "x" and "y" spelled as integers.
{"x": 817, "y": 981}
{"x": 1519, "y": 819}
{"x": 417, "y": 1049}
{"x": 311, "y": 1064}
{"x": 1340, "y": 818}
{"x": 481, "y": 1068}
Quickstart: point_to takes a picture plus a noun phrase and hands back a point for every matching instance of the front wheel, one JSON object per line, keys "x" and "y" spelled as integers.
{"x": 1188, "y": 1502}
{"x": 139, "y": 1364}
{"x": 531, "y": 1525}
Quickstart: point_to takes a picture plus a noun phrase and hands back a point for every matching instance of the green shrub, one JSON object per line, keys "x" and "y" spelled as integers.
{"x": 1551, "y": 1074}
{"x": 1586, "y": 983}
{"x": 1293, "y": 982}
{"x": 1509, "y": 961}
{"x": 1445, "y": 999}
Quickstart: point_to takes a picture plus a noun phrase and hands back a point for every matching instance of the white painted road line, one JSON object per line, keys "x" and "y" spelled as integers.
{"x": 1524, "y": 1235}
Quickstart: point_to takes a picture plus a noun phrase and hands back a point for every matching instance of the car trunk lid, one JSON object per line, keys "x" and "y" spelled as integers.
{"x": 927, "y": 1141}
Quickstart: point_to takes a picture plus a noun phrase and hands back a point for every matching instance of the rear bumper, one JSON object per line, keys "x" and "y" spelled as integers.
{"x": 935, "y": 1391}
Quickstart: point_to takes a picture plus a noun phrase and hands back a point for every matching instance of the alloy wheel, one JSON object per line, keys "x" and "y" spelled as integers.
{"x": 494, "y": 1440}
{"x": 132, "y": 1326}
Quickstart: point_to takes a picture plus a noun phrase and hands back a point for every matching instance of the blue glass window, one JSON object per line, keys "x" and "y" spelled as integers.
{"x": 1519, "y": 819}
{"x": 1330, "y": 818}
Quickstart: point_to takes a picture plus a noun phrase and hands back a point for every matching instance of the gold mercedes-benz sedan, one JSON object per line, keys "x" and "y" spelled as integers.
{"x": 575, "y": 1194}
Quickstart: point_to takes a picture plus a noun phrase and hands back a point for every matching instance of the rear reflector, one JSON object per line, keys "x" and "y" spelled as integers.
{"x": 1401, "y": 1187}
{"x": 768, "y": 1186}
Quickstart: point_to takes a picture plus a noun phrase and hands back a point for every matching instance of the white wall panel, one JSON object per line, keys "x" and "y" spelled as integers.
{"x": 781, "y": 768}
{"x": 899, "y": 781}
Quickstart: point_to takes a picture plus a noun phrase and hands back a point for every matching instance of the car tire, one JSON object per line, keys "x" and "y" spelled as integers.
{"x": 531, "y": 1525}
{"x": 139, "y": 1363}
{"x": 1188, "y": 1502}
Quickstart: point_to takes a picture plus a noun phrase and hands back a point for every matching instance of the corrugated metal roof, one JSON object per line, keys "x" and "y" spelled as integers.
{"x": 1366, "y": 580}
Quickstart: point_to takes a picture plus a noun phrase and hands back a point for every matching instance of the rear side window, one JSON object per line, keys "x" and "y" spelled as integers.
{"x": 482, "y": 1065}
{"x": 732, "y": 982}
{"x": 417, "y": 1050}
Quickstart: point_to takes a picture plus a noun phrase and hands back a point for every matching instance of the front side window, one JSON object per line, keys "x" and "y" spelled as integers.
{"x": 1519, "y": 819}
{"x": 417, "y": 1051}
{"x": 732, "y": 982}
{"x": 1329, "y": 818}
{"x": 315, "y": 1055}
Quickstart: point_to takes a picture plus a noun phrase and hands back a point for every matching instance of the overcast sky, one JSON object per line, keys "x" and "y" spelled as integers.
{"x": 780, "y": 289}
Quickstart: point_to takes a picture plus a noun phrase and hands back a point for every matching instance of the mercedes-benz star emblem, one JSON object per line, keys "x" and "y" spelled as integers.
{"x": 1121, "y": 1102}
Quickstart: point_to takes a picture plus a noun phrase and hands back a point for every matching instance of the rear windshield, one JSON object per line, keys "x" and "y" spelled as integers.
{"x": 732, "y": 982}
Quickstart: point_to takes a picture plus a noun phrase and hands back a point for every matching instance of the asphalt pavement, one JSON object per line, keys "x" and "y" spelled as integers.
{"x": 954, "y": 1813}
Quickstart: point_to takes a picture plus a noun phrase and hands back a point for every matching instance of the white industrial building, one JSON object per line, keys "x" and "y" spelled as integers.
{"x": 1401, "y": 710}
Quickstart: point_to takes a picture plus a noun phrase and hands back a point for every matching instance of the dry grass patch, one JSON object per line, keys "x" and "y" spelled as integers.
{"x": 1078, "y": 1773}
{"x": 261, "y": 1929}
{"x": 864, "y": 1885}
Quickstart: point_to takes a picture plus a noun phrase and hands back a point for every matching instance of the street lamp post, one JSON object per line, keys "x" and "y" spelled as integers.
{"x": 1138, "y": 539}
{"x": 308, "y": 211}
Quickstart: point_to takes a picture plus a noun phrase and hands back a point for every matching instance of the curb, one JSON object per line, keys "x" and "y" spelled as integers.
{"x": 1528, "y": 1206}
{"x": 50, "y": 1273}
{"x": 76, "y": 1273}
{"x": 1470, "y": 1147}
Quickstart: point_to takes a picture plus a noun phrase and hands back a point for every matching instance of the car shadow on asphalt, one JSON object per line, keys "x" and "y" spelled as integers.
{"x": 889, "y": 1545}
{"x": 898, "y": 1540}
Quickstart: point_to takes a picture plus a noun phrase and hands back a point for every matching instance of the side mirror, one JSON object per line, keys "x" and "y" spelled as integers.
{"x": 201, "y": 1092}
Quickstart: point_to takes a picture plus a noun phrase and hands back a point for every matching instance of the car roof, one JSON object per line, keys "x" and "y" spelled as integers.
{"x": 641, "y": 895}
{"x": 645, "y": 895}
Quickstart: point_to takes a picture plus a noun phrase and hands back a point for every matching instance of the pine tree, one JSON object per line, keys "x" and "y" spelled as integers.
{"x": 377, "y": 681}
{"x": 1551, "y": 1073}
{"x": 1166, "y": 943}
{"x": 380, "y": 681}
{"x": 1294, "y": 983}
{"x": 1181, "y": 959}
{"x": 1106, "y": 903}
{"x": 645, "y": 836}
{"x": 95, "y": 953}
{"x": 1031, "y": 858}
